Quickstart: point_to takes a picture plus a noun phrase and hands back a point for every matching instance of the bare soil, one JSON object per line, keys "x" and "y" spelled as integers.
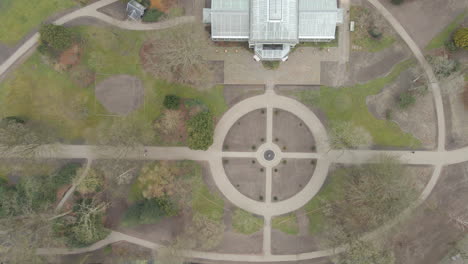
{"x": 290, "y": 133}
{"x": 236, "y": 93}
{"x": 418, "y": 119}
{"x": 115, "y": 10}
{"x": 70, "y": 57}
{"x": 428, "y": 235}
{"x": 120, "y": 94}
{"x": 282, "y": 243}
{"x": 247, "y": 133}
{"x": 456, "y": 114}
{"x": 424, "y": 19}
{"x": 364, "y": 66}
{"x": 291, "y": 177}
{"x": 247, "y": 176}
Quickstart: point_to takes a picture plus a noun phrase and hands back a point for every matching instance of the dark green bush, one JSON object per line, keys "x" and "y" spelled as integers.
{"x": 397, "y": 2}
{"x": 65, "y": 174}
{"x": 148, "y": 212}
{"x": 55, "y": 37}
{"x": 152, "y": 15}
{"x": 450, "y": 45}
{"x": 171, "y": 101}
{"x": 200, "y": 131}
{"x": 405, "y": 100}
{"x": 374, "y": 33}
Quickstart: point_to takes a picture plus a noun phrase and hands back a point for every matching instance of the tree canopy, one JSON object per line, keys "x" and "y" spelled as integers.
{"x": 201, "y": 130}
{"x": 56, "y": 37}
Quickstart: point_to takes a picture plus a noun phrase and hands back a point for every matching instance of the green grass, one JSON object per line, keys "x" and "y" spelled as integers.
{"x": 271, "y": 65}
{"x": 246, "y": 223}
{"x": 286, "y": 223}
{"x": 37, "y": 92}
{"x": 360, "y": 36}
{"x": 207, "y": 203}
{"x": 439, "y": 40}
{"x": 349, "y": 104}
{"x": 330, "y": 191}
{"x": 19, "y": 17}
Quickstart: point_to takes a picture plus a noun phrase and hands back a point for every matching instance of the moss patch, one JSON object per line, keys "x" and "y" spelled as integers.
{"x": 286, "y": 223}
{"x": 246, "y": 223}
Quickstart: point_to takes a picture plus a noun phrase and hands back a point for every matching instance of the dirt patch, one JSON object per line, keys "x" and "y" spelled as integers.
{"x": 236, "y": 93}
{"x": 455, "y": 112}
{"x": 120, "y": 94}
{"x": 70, "y": 57}
{"x": 428, "y": 235}
{"x": 282, "y": 243}
{"x": 291, "y": 176}
{"x": 248, "y": 133}
{"x": 236, "y": 243}
{"x": 418, "y": 119}
{"x": 247, "y": 176}
{"x": 115, "y": 10}
{"x": 290, "y": 133}
{"x": 423, "y": 19}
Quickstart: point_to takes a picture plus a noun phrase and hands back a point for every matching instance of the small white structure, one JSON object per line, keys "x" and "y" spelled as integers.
{"x": 351, "y": 26}
{"x": 135, "y": 10}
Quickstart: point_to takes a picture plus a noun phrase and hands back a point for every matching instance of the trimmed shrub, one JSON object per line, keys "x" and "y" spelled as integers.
{"x": 55, "y": 37}
{"x": 450, "y": 45}
{"x": 374, "y": 33}
{"x": 200, "y": 131}
{"x": 152, "y": 15}
{"x": 443, "y": 66}
{"x": 405, "y": 100}
{"x": 397, "y": 2}
{"x": 148, "y": 212}
{"x": 65, "y": 174}
{"x": 460, "y": 38}
{"x": 171, "y": 101}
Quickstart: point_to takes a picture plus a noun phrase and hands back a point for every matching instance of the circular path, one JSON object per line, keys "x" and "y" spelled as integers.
{"x": 267, "y": 208}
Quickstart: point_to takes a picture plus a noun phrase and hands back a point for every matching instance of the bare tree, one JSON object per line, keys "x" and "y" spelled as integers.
{"x": 125, "y": 134}
{"x": 19, "y": 138}
{"x": 460, "y": 219}
{"x": 372, "y": 194}
{"x": 176, "y": 55}
{"x": 346, "y": 135}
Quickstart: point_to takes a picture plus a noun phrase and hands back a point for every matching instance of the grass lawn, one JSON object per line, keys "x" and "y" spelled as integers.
{"x": 21, "y": 16}
{"x": 286, "y": 223}
{"x": 246, "y": 223}
{"x": 439, "y": 40}
{"x": 330, "y": 191}
{"x": 207, "y": 203}
{"x": 361, "y": 37}
{"x": 349, "y": 104}
{"x": 37, "y": 92}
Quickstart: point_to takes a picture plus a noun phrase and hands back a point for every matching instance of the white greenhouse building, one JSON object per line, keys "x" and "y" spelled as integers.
{"x": 273, "y": 27}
